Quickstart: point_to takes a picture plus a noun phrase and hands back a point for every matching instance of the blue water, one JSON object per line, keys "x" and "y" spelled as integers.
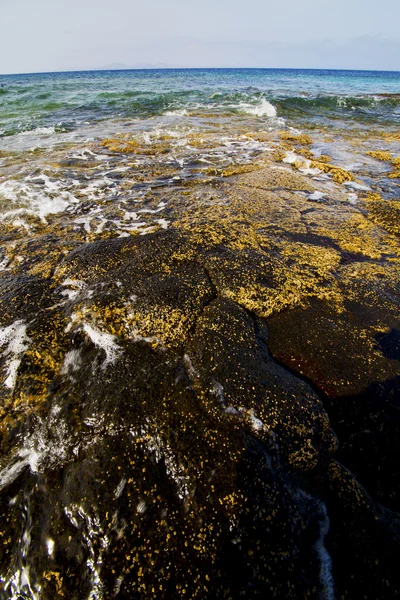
{"x": 65, "y": 101}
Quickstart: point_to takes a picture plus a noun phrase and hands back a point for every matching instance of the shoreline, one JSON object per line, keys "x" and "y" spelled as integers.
{"x": 220, "y": 357}
{"x": 200, "y": 351}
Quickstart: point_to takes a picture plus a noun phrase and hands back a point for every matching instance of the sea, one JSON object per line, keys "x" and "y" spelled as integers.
{"x": 184, "y": 122}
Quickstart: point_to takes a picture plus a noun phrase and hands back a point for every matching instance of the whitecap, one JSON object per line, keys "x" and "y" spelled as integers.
{"x": 39, "y": 131}
{"x": 262, "y": 109}
{"x": 180, "y": 112}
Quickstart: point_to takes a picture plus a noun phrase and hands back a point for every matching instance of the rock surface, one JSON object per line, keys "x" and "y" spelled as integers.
{"x": 210, "y": 411}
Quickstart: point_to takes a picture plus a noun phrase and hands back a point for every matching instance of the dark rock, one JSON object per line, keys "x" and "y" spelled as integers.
{"x": 164, "y": 440}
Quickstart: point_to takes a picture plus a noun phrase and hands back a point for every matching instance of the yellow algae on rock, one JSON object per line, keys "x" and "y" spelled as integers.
{"x": 338, "y": 174}
{"x": 305, "y": 153}
{"x": 390, "y": 137}
{"x": 279, "y": 155}
{"x": 385, "y": 213}
{"x": 324, "y": 158}
{"x": 132, "y": 146}
{"x": 240, "y": 169}
{"x": 120, "y": 145}
{"x": 380, "y": 154}
{"x": 302, "y": 139}
{"x": 203, "y": 140}
{"x": 259, "y": 136}
{"x": 396, "y": 173}
{"x": 277, "y": 178}
{"x": 356, "y": 235}
{"x": 56, "y": 581}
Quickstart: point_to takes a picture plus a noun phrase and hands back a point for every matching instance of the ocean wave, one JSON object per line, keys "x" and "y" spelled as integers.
{"x": 39, "y": 131}
{"x": 218, "y": 103}
{"x": 262, "y": 109}
{"x": 179, "y": 112}
{"x": 334, "y": 102}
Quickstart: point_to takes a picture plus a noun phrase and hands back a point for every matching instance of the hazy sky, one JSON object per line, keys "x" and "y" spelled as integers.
{"x": 55, "y": 35}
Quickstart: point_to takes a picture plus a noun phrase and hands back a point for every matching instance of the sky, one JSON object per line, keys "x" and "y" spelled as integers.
{"x": 63, "y": 35}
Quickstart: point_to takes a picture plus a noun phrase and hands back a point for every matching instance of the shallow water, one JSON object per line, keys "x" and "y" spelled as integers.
{"x": 186, "y": 123}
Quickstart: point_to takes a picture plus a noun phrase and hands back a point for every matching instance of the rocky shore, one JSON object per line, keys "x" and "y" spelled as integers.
{"x": 210, "y": 410}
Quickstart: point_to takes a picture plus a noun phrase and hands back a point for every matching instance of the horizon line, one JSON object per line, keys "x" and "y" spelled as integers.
{"x": 171, "y": 68}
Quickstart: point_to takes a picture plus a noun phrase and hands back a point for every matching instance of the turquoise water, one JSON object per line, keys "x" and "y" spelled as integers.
{"x": 67, "y": 101}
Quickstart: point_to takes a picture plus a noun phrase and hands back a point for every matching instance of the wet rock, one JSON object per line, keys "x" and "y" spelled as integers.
{"x": 363, "y": 540}
{"x": 358, "y": 379}
{"x": 183, "y": 402}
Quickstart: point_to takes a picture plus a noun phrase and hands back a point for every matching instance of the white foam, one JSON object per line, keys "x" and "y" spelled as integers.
{"x": 325, "y": 572}
{"x": 38, "y": 450}
{"x": 86, "y": 154}
{"x": 357, "y": 186}
{"x": 127, "y": 224}
{"x": 72, "y": 362}
{"x": 97, "y": 187}
{"x": 17, "y": 342}
{"x": 230, "y": 410}
{"x": 131, "y": 216}
{"x": 163, "y": 223}
{"x": 39, "y": 202}
{"x": 255, "y": 422}
{"x": 39, "y": 131}
{"x": 262, "y": 109}
{"x": 50, "y": 547}
{"x": 147, "y": 137}
{"x": 85, "y": 221}
{"x": 291, "y": 158}
{"x": 151, "y": 211}
{"x": 191, "y": 371}
{"x": 4, "y": 263}
{"x": 105, "y": 341}
{"x": 72, "y": 294}
{"x": 179, "y": 112}
{"x": 120, "y": 488}
{"x": 316, "y": 196}
{"x": 352, "y": 198}
{"x": 218, "y": 390}
{"x": 141, "y": 507}
{"x": 312, "y": 172}
{"x": 74, "y": 283}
